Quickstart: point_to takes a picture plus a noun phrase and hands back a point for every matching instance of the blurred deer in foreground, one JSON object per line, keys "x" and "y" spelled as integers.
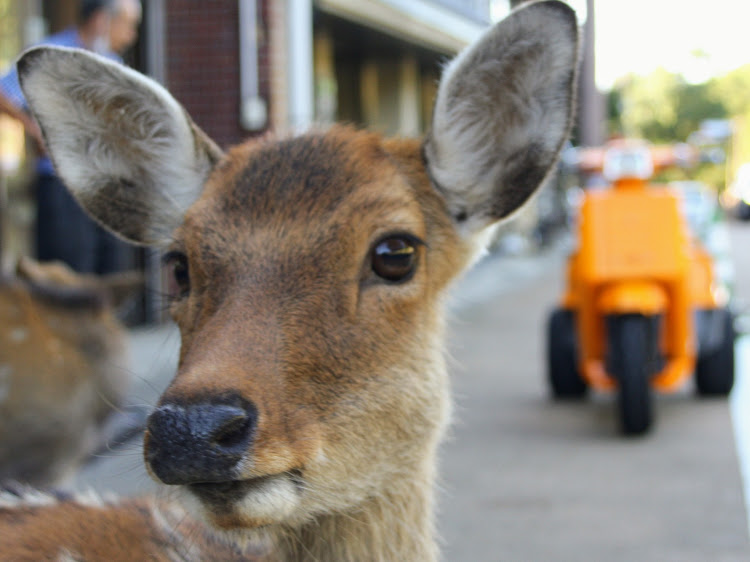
{"x": 307, "y": 277}
{"x": 63, "y": 367}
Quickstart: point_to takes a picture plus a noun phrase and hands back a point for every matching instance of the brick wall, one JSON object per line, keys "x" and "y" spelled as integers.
{"x": 202, "y": 59}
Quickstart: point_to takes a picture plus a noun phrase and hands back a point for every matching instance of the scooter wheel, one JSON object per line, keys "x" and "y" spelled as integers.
{"x": 714, "y": 373}
{"x": 562, "y": 369}
{"x": 629, "y": 344}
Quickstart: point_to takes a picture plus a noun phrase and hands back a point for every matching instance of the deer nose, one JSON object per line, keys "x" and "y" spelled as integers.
{"x": 203, "y": 442}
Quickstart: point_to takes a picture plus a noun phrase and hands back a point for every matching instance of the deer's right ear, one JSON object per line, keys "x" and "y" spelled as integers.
{"x": 503, "y": 110}
{"x": 122, "y": 145}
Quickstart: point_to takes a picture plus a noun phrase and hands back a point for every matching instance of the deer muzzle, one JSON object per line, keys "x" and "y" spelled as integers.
{"x": 200, "y": 442}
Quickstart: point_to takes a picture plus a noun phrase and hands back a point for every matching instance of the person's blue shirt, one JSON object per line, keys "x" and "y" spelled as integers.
{"x": 12, "y": 89}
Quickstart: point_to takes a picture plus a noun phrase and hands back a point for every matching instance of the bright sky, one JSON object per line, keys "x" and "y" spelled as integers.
{"x": 641, "y": 35}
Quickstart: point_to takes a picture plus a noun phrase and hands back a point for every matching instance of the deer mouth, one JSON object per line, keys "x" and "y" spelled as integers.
{"x": 254, "y": 502}
{"x": 223, "y": 492}
{"x": 229, "y": 491}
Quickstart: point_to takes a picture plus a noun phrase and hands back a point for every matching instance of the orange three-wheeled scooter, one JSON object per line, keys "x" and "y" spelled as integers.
{"x": 641, "y": 311}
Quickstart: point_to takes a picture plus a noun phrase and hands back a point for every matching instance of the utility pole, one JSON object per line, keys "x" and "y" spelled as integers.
{"x": 591, "y": 110}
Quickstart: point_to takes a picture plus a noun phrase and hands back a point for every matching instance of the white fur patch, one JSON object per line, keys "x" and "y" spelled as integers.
{"x": 66, "y": 556}
{"x": 29, "y": 498}
{"x": 18, "y": 335}
{"x": 273, "y": 499}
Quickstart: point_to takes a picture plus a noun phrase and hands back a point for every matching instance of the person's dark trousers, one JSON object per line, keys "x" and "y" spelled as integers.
{"x": 112, "y": 254}
{"x": 64, "y": 232}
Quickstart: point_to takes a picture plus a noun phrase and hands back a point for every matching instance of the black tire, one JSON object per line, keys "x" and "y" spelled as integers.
{"x": 562, "y": 359}
{"x": 631, "y": 352}
{"x": 714, "y": 372}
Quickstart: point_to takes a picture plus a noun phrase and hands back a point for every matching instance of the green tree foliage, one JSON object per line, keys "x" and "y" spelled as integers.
{"x": 696, "y": 103}
{"x": 733, "y": 89}
{"x": 663, "y": 106}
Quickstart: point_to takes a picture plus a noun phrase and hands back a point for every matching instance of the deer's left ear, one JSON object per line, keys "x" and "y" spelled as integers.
{"x": 503, "y": 111}
{"x": 125, "y": 148}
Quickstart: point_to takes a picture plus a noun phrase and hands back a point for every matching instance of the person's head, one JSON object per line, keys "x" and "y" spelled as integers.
{"x": 123, "y": 27}
{"x": 94, "y": 19}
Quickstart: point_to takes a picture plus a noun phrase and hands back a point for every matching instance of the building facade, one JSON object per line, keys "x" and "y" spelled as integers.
{"x": 246, "y": 67}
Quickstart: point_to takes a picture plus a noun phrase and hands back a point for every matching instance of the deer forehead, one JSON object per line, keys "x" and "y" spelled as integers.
{"x": 325, "y": 197}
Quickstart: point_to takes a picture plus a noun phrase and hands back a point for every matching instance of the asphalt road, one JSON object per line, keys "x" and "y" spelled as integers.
{"x": 526, "y": 479}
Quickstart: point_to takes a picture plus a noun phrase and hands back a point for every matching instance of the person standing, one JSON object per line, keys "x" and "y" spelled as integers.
{"x": 123, "y": 25}
{"x": 63, "y": 231}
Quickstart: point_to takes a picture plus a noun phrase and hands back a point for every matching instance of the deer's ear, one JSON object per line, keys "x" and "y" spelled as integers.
{"x": 124, "y": 147}
{"x": 503, "y": 111}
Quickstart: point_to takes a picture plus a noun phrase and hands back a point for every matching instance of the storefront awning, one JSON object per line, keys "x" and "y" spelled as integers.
{"x": 422, "y": 22}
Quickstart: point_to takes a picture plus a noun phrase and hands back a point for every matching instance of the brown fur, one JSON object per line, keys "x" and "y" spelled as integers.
{"x": 302, "y": 332}
{"x": 146, "y": 530}
{"x": 63, "y": 369}
{"x": 332, "y": 375}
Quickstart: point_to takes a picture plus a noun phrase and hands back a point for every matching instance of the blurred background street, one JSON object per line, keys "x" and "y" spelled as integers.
{"x": 522, "y": 477}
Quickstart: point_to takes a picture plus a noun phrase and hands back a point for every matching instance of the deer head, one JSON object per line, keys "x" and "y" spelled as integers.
{"x": 307, "y": 276}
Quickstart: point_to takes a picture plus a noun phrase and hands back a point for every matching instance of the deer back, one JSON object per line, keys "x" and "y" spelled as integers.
{"x": 63, "y": 369}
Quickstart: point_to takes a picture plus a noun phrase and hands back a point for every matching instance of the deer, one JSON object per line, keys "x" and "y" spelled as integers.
{"x": 64, "y": 368}
{"x": 308, "y": 276}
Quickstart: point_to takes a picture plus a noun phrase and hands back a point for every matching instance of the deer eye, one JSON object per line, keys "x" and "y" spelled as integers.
{"x": 178, "y": 275}
{"x": 395, "y": 258}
